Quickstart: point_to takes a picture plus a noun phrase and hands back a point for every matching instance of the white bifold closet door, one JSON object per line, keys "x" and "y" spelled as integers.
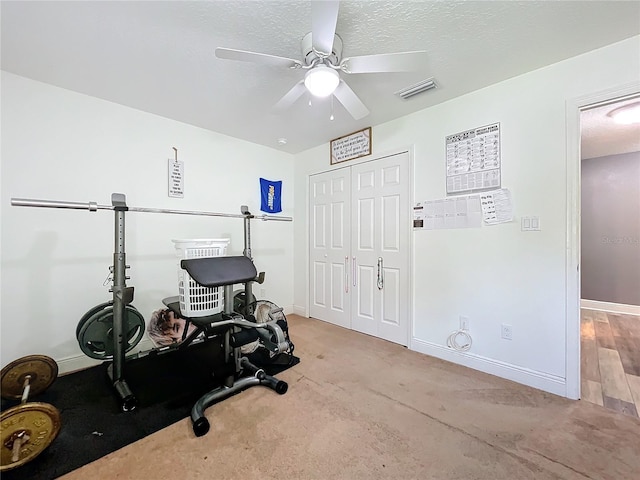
{"x": 359, "y": 247}
{"x": 330, "y": 248}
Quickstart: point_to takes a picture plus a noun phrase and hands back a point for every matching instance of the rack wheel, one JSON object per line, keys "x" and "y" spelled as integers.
{"x": 41, "y": 370}
{"x": 25, "y": 431}
{"x": 281, "y": 387}
{"x": 129, "y": 404}
{"x": 201, "y": 426}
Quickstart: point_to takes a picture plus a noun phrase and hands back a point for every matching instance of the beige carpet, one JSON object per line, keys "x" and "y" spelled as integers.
{"x": 362, "y": 408}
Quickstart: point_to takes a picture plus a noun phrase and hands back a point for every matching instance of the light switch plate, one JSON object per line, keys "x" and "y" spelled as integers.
{"x": 535, "y": 223}
{"x": 530, "y": 224}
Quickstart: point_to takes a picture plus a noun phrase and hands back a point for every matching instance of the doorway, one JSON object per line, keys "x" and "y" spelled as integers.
{"x": 610, "y": 257}
{"x": 359, "y": 247}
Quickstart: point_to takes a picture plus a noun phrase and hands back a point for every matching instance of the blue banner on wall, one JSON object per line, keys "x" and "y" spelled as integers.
{"x": 271, "y": 196}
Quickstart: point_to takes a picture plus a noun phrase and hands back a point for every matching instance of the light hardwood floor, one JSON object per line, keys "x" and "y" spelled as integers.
{"x": 610, "y": 360}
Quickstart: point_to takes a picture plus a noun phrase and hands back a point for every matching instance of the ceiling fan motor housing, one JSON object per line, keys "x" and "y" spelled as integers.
{"x": 309, "y": 55}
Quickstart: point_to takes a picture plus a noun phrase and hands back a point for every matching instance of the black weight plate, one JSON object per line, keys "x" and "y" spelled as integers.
{"x": 96, "y": 335}
{"x": 239, "y": 303}
{"x": 92, "y": 322}
{"x": 89, "y": 314}
{"x": 98, "y": 308}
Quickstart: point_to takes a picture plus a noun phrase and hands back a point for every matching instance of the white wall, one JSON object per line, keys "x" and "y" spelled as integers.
{"x": 60, "y": 145}
{"x": 494, "y": 274}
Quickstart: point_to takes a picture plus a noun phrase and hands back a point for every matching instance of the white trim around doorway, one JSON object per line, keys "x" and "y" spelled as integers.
{"x": 572, "y": 314}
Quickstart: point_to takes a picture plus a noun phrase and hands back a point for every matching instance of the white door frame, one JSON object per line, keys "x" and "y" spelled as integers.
{"x": 573, "y": 110}
{"x": 410, "y": 151}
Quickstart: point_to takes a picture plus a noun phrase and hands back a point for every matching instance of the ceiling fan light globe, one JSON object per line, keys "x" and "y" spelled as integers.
{"x": 627, "y": 115}
{"x": 321, "y": 81}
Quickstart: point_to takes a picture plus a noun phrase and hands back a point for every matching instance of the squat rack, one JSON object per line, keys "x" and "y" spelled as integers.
{"x": 123, "y": 295}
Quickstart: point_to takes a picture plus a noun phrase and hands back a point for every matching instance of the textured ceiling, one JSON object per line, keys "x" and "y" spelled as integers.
{"x": 159, "y": 56}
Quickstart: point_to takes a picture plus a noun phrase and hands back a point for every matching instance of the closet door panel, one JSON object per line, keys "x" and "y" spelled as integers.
{"x": 330, "y": 244}
{"x": 365, "y": 244}
{"x": 380, "y": 192}
{"x": 390, "y": 297}
{"x": 318, "y": 296}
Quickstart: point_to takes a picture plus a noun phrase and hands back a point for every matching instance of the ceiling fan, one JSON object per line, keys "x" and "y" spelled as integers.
{"x": 322, "y": 59}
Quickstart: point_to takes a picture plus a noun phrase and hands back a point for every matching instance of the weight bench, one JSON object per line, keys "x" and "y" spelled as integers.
{"x": 235, "y": 329}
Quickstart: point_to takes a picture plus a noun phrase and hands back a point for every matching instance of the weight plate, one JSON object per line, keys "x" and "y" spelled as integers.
{"x": 239, "y": 303}
{"x": 89, "y": 314}
{"x": 96, "y": 335}
{"x": 35, "y": 424}
{"x": 43, "y": 371}
{"x": 97, "y": 309}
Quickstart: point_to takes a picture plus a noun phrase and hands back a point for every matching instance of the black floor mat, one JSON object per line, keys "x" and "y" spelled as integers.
{"x": 93, "y": 425}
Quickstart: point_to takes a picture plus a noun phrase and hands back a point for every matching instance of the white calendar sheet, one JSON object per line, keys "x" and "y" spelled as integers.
{"x": 473, "y": 160}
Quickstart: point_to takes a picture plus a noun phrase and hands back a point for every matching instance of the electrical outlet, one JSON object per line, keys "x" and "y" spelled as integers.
{"x": 263, "y": 293}
{"x": 464, "y": 322}
{"x": 507, "y": 332}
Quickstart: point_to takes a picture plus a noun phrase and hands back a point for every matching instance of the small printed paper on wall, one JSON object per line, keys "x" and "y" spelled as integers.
{"x": 497, "y": 206}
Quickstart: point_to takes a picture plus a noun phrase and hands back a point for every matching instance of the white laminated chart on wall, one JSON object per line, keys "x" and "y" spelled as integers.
{"x": 447, "y": 213}
{"x": 473, "y": 160}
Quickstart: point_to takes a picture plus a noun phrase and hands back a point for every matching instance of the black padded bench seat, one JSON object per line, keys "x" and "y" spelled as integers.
{"x": 220, "y": 271}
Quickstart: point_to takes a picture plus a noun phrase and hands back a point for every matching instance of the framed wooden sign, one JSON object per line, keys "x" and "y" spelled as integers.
{"x": 353, "y": 145}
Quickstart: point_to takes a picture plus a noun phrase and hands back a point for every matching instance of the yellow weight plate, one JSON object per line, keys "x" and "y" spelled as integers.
{"x": 36, "y": 424}
{"x": 43, "y": 371}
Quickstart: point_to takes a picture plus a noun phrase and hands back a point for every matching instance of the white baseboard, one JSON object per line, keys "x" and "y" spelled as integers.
{"x": 298, "y": 310}
{"x": 541, "y": 381}
{"x": 73, "y": 364}
{"x": 610, "y": 307}
{"x": 80, "y": 362}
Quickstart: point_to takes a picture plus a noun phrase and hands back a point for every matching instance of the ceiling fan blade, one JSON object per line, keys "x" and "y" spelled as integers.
{"x": 290, "y": 97}
{"x": 385, "y": 62}
{"x": 263, "y": 58}
{"x": 324, "y": 16}
{"x": 350, "y": 101}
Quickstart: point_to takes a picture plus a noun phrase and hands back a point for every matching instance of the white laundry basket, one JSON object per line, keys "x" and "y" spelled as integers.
{"x": 196, "y": 300}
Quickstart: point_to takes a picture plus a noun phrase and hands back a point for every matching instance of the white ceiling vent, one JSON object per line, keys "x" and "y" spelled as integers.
{"x": 417, "y": 88}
